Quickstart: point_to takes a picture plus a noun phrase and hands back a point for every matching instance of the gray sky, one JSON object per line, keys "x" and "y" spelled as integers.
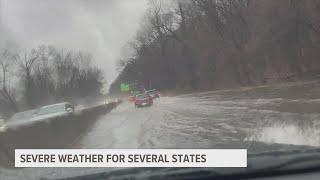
{"x": 101, "y": 27}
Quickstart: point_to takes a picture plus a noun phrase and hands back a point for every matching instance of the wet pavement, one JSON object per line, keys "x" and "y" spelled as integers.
{"x": 256, "y": 118}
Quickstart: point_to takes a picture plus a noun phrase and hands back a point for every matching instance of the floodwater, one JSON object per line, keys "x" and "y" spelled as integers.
{"x": 266, "y": 118}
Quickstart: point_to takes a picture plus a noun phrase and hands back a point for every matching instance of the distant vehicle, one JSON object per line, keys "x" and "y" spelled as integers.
{"x": 153, "y": 93}
{"x": 143, "y": 100}
{"x": 53, "y": 110}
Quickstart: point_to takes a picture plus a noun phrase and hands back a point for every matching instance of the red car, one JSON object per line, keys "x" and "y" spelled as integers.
{"x": 143, "y": 100}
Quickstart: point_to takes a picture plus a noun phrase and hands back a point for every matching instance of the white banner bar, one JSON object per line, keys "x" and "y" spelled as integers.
{"x": 130, "y": 158}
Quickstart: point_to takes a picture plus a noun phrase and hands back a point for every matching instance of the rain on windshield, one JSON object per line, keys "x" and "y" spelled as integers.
{"x": 217, "y": 73}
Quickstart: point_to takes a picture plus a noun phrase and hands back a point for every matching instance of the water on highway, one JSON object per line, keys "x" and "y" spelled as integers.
{"x": 257, "y": 118}
{"x": 275, "y": 114}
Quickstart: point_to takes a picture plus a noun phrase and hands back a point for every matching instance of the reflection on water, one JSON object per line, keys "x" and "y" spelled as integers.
{"x": 253, "y": 118}
{"x": 284, "y": 114}
{"x": 287, "y": 134}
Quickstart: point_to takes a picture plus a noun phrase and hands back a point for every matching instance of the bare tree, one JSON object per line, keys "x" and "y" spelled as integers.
{"x": 6, "y": 63}
{"x": 26, "y": 63}
{"x": 223, "y": 43}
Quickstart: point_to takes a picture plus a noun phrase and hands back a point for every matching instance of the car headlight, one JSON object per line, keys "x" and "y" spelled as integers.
{"x": 3, "y": 127}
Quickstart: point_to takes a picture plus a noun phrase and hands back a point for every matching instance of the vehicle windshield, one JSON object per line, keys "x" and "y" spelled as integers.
{"x": 142, "y": 96}
{"x": 159, "y": 74}
{"x": 151, "y": 91}
{"x": 135, "y": 93}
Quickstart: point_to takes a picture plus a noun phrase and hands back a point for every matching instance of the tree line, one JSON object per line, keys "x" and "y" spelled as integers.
{"x": 214, "y": 44}
{"x": 45, "y": 75}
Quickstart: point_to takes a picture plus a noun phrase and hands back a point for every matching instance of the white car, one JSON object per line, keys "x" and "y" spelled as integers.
{"x": 31, "y": 116}
{"x": 54, "y": 110}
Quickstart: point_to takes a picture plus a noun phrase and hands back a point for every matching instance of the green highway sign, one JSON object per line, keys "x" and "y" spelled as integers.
{"x": 124, "y": 87}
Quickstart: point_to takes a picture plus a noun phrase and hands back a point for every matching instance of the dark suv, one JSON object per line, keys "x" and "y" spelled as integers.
{"x": 153, "y": 93}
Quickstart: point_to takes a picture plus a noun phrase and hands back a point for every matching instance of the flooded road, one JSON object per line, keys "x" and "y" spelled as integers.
{"x": 285, "y": 114}
{"x": 259, "y": 118}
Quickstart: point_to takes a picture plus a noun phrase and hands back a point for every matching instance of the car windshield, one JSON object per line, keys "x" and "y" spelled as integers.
{"x": 136, "y": 93}
{"x": 151, "y": 91}
{"x": 142, "y": 96}
{"x": 159, "y": 75}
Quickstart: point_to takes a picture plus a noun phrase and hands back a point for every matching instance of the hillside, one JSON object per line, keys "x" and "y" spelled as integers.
{"x": 207, "y": 44}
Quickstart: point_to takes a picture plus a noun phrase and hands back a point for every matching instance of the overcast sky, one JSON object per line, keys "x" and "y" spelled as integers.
{"x": 101, "y": 27}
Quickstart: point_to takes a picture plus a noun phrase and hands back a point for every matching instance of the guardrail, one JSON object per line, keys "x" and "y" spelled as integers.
{"x": 58, "y": 132}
